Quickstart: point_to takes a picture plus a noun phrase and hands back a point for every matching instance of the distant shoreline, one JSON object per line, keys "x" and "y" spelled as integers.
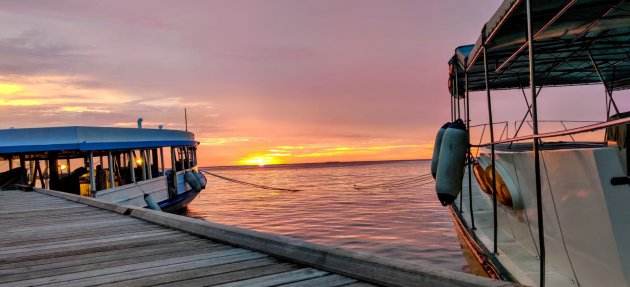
{"x": 312, "y": 164}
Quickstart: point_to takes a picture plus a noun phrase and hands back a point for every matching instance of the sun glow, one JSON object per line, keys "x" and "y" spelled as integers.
{"x": 260, "y": 160}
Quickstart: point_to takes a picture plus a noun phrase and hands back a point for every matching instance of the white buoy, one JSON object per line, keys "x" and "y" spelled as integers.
{"x": 436, "y": 149}
{"x": 451, "y": 162}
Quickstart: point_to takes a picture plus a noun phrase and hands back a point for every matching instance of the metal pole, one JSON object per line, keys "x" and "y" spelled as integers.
{"x": 532, "y": 86}
{"x": 459, "y": 116}
{"x": 92, "y": 181}
{"x": 68, "y": 165}
{"x": 601, "y": 78}
{"x": 11, "y": 162}
{"x": 162, "y": 159}
{"x": 181, "y": 158}
{"x": 174, "y": 170}
{"x": 110, "y": 166}
{"x": 494, "y": 180}
{"x": 186, "y": 118}
{"x": 472, "y": 214}
{"x": 144, "y": 161}
{"x": 149, "y": 163}
{"x": 131, "y": 168}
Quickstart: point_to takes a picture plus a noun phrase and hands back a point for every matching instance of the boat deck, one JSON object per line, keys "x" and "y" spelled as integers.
{"x": 55, "y": 242}
{"x": 51, "y": 238}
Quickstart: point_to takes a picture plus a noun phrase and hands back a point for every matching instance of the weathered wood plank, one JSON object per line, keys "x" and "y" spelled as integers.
{"x": 130, "y": 272}
{"x": 35, "y": 255}
{"x": 103, "y": 256}
{"x": 83, "y": 267}
{"x": 79, "y": 242}
{"x": 233, "y": 276}
{"x": 278, "y": 279}
{"x": 168, "y": 277}
{"x": 332, "y": 280}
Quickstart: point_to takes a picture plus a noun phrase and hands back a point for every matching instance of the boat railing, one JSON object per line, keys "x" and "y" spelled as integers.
{"x": 566, "y": 132}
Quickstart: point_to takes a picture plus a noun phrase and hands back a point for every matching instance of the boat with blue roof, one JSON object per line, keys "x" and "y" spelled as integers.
{"x": 153, "y": 168}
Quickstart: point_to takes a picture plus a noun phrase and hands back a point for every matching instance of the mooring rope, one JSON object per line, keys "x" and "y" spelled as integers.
{"x": 247, "y": 183}
{"x": 415, "y": 181}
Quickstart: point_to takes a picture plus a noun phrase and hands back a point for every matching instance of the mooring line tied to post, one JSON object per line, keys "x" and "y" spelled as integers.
{"x": 415, "y": 181}
{"x": 248, "y": 183}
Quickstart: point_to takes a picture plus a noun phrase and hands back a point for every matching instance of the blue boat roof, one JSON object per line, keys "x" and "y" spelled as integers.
{"x": 89, "y": 139}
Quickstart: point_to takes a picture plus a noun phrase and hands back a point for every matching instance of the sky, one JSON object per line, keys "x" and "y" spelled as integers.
{"x": 263, "y": 81}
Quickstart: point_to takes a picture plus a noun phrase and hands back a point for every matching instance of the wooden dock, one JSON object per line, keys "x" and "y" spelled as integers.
{"x": 56, "y": 239}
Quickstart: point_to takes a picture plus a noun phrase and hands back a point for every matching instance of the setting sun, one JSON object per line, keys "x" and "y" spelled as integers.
{"x": 260, "y": 160}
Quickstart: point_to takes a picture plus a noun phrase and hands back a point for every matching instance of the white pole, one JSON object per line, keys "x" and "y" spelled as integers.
{"x": 110, "y": 166}
{"x": 162, "y": 159}
{"x": 131, "y": 169}
{"x": 144, "y": 164}
{"x": 149, "y": 162}
{"x": 92, "y": 181}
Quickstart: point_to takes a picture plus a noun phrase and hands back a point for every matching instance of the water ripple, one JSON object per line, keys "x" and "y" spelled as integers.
{"x": 403, "y": 223}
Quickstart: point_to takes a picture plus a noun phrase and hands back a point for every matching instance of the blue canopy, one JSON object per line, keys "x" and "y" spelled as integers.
{"x": 31, "y": 140}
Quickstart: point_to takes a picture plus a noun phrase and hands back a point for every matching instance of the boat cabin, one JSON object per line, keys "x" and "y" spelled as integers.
{"x": 123, "y": 165}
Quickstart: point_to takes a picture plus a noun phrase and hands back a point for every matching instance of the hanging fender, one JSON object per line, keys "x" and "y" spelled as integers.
{"x": 451, "y": 162}
{"x": 436, "y": 149}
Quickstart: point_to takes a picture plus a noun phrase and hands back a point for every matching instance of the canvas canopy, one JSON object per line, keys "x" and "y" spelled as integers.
{"x": 572, "y": 40}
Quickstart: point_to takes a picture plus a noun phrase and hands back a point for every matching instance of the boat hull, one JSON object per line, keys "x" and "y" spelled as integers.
{"x": 177, "y": 203}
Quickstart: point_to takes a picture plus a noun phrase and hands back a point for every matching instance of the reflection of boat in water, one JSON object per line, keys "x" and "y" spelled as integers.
{"x": 544, "y": 208}
{"x": 123, "y": 165}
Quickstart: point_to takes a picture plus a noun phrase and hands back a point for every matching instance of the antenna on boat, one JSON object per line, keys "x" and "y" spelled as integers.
{"x": 186, "y": 118}
{"x": 139, "y": 123}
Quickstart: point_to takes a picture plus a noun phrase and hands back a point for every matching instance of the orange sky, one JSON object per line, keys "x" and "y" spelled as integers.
{"x": 264, "y": 81}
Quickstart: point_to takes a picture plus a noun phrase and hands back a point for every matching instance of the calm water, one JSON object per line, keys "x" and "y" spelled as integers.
{"x": 403, "y": 223}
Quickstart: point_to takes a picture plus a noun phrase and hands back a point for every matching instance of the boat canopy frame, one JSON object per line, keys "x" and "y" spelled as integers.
{"x": 572, "y": 43}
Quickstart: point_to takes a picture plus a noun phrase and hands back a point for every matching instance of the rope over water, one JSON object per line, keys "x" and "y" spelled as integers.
{"x": 249, "y": 184}
{"x": 415, "y": 181}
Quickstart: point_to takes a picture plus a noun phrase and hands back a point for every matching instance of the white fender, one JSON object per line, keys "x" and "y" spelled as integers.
{"x": 451, "y": 162}
{"x": 192, "y": 180}
{"x": 436, "y": 149}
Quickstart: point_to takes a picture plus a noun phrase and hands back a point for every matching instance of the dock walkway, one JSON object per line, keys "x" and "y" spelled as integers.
{"x": 50, "y": 238}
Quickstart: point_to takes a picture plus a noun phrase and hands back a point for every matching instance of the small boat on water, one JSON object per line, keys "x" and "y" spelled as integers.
{"x": 544, "y": 208}
{"x": 122, "y": 165}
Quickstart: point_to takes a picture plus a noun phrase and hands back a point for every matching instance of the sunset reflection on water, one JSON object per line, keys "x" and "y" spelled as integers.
{"x": 404, "y": 223}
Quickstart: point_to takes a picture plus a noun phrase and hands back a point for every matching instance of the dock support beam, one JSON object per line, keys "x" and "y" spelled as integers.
{"x": 490, "y": 124}
{"x": 110, "y": 166}
{"x": 92, "y": 181}
{"x": 532, "y": 86}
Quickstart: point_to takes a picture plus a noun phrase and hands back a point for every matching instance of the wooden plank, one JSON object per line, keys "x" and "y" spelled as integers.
{"x": 32, "y": 238}
{"x": 101, "y": 265}
{"x": 128, "y": 272}
{"x": 5, "y": 252}
{"x": 332, "y": 280}
{"x": 360, "y": 284}
{"x": 168, "y": 277}
{"x": 103, "y": 256}
{"x": 233, "y": 276}
{"x": 278, "y": 279}
{"x": 93, "y": 248}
